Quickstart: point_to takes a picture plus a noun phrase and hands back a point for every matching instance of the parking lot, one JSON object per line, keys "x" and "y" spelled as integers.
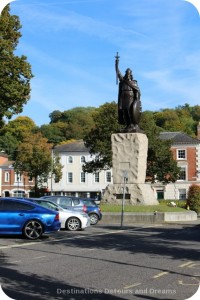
{"x": 104, "y": 262}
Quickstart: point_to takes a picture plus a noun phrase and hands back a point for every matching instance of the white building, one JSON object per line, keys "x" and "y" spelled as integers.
{"x": 74, "y": 181}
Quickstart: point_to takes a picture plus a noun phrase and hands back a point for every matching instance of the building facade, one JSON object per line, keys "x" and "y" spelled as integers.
{"x": 13, "y": 184}
{"x": 186, "y": 151}
{"x": 74, "y": 181}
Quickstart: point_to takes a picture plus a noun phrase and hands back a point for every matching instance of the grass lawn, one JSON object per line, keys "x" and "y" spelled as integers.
{"x": 141, "y": 208}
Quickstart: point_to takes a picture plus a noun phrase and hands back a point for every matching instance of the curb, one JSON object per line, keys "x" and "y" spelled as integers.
{"x": 150, "y": 218}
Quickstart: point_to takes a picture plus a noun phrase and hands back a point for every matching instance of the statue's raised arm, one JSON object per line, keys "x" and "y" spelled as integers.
{"x": 118, "y": 73}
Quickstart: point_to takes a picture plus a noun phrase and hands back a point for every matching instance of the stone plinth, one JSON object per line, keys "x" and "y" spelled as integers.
{"x": 129, "y": 154}
{"x": 129, "y": 160}
{"x": 136, "y": 194}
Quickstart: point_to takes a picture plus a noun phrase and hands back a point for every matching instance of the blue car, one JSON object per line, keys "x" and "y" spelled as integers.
{"x": 86, "y": 205}
{"x": 26, "y": 218}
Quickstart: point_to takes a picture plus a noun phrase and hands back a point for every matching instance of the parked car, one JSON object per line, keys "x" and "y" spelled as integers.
{"x": 70, "y": 219}
{"x": 86, "y": 205}
{"x": 19, "y": 216}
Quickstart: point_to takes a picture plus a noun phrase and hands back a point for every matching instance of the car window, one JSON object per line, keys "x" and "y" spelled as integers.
{"x": 76, "y": 202}
{"x": 14, "y": 206}
{"x": 47, "y": 204}
{"x": 65, "y": 201}
{"x": 89, "y": 203}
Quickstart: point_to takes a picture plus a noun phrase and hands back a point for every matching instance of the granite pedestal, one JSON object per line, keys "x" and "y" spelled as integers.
{"x": 129, "y": 171}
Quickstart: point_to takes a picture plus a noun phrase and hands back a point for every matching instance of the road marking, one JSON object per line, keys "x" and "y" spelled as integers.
{"x": 193, "y": 265}
{"x": 181, "y": 282}
{"x": 38, "y": 257}
{"x": 186, "y": 264}
{"x": 14, "y": 261}
{"x": 133, "y": 285}
{"x": 160, "y": 274}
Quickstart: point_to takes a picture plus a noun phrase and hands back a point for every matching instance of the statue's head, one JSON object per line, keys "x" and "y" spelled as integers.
{"x": 128, "y": 74}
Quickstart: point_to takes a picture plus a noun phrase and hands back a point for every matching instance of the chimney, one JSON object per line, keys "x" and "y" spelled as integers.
{"x": 198, "y": 131}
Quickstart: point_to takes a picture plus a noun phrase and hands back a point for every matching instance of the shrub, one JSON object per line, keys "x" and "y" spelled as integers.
{"x": 193, "y": 201}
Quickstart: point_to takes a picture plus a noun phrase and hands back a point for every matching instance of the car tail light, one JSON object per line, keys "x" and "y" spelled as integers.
{"x": 57, "y": 217}
{"x": 85, "y": 208}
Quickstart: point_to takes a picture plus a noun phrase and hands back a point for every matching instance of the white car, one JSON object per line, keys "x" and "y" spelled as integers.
{"x": 70, "y": 219}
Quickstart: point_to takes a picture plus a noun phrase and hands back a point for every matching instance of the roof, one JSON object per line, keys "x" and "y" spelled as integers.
{"x": 7, "y": 165}
{"x": 77, "y": 146}
{"x": 178, "y": 137}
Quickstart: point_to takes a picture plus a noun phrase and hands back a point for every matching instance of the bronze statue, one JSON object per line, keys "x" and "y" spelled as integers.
{"x": 129, "y": 104}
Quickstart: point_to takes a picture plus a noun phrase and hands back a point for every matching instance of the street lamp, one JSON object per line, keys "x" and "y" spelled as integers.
{"x": 125, "y": 179}
{"x": 52, "y": 162}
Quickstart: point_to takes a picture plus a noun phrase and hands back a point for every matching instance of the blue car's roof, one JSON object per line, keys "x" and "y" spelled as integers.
{"x": 25, "y": 200}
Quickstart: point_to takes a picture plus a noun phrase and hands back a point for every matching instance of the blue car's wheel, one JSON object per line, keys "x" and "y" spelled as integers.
{"x": 33, "y": 229}
{"x": 93, "y": 219}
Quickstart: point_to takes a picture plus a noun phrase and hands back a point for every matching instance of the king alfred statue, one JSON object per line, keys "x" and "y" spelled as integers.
{"x": 129, "y": 104}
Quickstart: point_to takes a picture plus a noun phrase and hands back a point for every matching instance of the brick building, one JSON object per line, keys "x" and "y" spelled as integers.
{"x": 186, "y": 151}
{"x": 11, "y": 183}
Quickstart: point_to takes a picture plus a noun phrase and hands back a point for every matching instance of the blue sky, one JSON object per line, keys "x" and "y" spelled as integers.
{"x": 71, "y": 45}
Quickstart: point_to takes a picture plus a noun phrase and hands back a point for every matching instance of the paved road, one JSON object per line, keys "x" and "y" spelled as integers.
{"x": 104, "y": 262}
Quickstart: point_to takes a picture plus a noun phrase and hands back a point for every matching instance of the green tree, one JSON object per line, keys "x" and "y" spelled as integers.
{"x": 8, "y": 144}
{"x": 98, "y": 140}
{"x": 76, "y": 122}
{"x": 13, "y": 133}
{"x": 34, "y": 158}
{"x": 54, "y": 132}
{"x": 168, "y": 119}
{"x": 15, "y": 71}
{"x": 160, "y": 163}
{"x": 56, "y": 167}
{"x": 193, "y": 201}
{"x": 196, "y": 113}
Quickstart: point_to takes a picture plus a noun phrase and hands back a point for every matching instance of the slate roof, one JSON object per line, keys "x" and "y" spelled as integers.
{"x": 7, "y": 164}
{"x": 178, "y": 137}
{"x": 77, "y": 146}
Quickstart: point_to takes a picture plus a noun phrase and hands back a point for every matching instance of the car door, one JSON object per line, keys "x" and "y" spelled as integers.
{"x": 13, "y": 215}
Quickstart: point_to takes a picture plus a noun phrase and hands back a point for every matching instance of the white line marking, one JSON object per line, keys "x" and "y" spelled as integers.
{"x": 160, "y": 274}
{"x": 133, "y": 285}
{"x": 186, "y": 264}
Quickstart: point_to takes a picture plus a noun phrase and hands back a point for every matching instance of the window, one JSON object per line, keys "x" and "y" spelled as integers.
{"x": 19, "y": 193}
{"x": 65, "y": 201}
{"x": 7, "y": 177}
{"x": 181, "y": 154}
{"x": 70, "y": 177}
{"x": 160, "y": 194}
{"x": 76, "y": 202}
{"x": 108, "y": 176}
{"x": 70, "y": 160}
{"x": 82, "y": 177}
{"x": 14, "y": 206}
{"x": 82, "y": 159}
{"x": 182, "y": 194}
{"x": 96, "y": 177}
{"x": 182, "y": 175}
{"x": 30, "y": 179}
{"x": 18, "y": 177}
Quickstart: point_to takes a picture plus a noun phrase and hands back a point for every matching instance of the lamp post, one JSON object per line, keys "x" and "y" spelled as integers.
{"x": 52, "y": 171}
{"x": 125, "y": 178}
